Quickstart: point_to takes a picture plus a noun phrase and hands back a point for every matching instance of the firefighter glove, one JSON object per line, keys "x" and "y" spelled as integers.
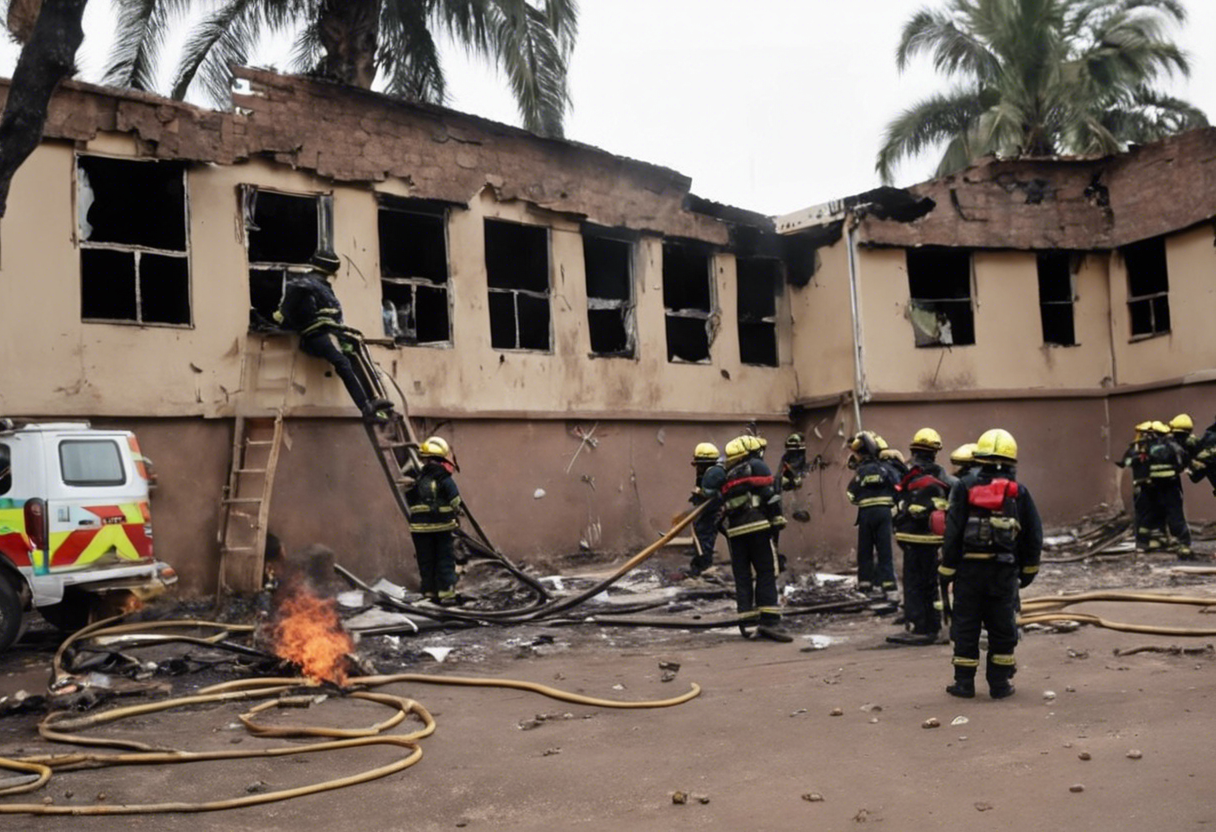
{"x": 1025, "y": 580}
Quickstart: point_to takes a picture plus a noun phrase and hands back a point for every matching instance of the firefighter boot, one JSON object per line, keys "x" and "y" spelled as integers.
{"x": 773, "y": 632}
{"x": 964, "y": 683}
{"x": 999, "y": 677}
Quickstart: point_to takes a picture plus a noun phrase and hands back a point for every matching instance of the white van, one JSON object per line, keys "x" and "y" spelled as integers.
{"x": 75, "y": 524}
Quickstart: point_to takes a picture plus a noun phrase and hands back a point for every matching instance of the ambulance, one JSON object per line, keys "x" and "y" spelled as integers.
{"x": 75, "y": 525}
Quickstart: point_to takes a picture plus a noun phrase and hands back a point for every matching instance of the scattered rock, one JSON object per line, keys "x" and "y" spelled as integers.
{"x": 529, "y": 724}
{"x": 679, "y": 798}
{"x": 1049, "y": 695}
{"x": 983, "y": 807}
{"x": 618, "y": 686}
{"x": 836, "y": 712}
{"x": 963, "y": 738}
{"x": 1076, "y": 788}
{"x": 700, "y": 798}
{"x": 813, "y": 797}
{"x": 256, "y": 787}
{"x": 931, "y": 722}
{"x": 48, "y": 800}
{"x": 672, "y": 666}
{"x": 101, "y": 795}
{"x": 1084, "y": 755}
{"x": 549, "y": 752}
{"x": 862, "y": 815}
{"x": 68, "y": 794}
{"x": 959, "y": 720}
{"x": 461, "y": 824}
{"x": 1068, "y": 745}
{"x": 1078, "y": 654}
{"x": 668, "y": 676}
{"x": 799, "y": 711}
{"x": 1134, "y": 754}
{"x": 1069, "y": 689}
{"x": 236, "y": 740}
{"x": 872, "y": 708}
{"x": 873, "y": 720}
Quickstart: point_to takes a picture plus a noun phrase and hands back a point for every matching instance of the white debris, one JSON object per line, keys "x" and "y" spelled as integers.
{"x": 1059, "y": 539}
{"x": 959, "y": 720}
{"x": 819, "y": 642}
{"x": 389, "y": 588}
{"x": 438, "y": 653}
{"x": 352, "y": 599}
{"x": 832, "y": 578}
{"x": 1049, "y": 695}
{"x": 373, "y": 618}
{"x": 538, "y": 493}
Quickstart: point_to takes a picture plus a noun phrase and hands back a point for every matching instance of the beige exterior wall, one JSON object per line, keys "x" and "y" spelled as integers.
{"x": 823, "y": 327}
{"x": 1190, "y": 345}
{"x": 1008, "y": 353}
{"x": 126, "y": 370}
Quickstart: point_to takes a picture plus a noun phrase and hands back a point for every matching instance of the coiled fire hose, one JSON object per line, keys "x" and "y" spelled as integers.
{"x": 1051, "y": 609}
{"x": 58, "y": 727}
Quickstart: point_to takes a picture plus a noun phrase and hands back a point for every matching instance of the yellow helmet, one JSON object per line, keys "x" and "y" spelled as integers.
{"x": 752, "y": 444}
{"x": 867, "y": 443}
{"x": 963, "y": 454}
{"x": 435, "y": 446}
{"x": 1144, "y": 427}
{"x": 927, "y": 439}
{"x": 891, "y": 453}
{"x": 996, "y": 444}
{"x": 1161, "y": 427}
{"x": 1182, "y": 423}
{"x": 736, "y": 450}
{"x": 705, "y": 452}
{"x": 795, "y": 442}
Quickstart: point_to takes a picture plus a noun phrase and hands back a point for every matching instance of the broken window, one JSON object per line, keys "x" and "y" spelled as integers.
{"x": 134, "y": 260}
{"x": 1148, "y": 287}
{"x": 610, "y": 304}
{"x": 939, "y": 282}
{"x": 517, "y": 276}
{"x": 282, "y": 231}
{"x": 758, "y": 284}
{"x": 414, "y": 271}
{"x": 1056, "y": 298}
{"x": 688, "y": 299}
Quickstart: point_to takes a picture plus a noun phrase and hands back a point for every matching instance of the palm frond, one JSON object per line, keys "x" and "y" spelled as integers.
{"x": 531, "y": 56}
{"x": 928, "y": 123}
{"x": 223, "y": 38}
{"x": 408, "y": 55}
{"x": 139, "y": 37}
{"x": 955, "y": 51}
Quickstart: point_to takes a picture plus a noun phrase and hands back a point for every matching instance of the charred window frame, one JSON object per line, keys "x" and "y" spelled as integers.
{"x": 414, "y": 273}
{"x": 939, "y": 283}
{"x": 282, "y": 231}
{"x": 758, "y": 285}
{"x": 1056, "y": 296}
{"x": 688, "y": 300}
{"x": 517, "y": 280}
{"x": 133, "y": 235}
{"x": 611, "y": 305}
{"x": 1148, "y": 288}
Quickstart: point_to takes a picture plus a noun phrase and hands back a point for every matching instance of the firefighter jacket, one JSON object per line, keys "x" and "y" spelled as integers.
{"x": 1166, "y": 459}
{"x": 309, "y": 304}
{"x": 1136, "y": 459}
{"x": 793, "y": 469}
{"x": 992, "y": 516}
{"x": 1203, "y": 456}
{"x": 922, "y": 496}
{"x": 433, "y": 500}
{"x": 873, "y": 484}
{"x": 750, "y": 503}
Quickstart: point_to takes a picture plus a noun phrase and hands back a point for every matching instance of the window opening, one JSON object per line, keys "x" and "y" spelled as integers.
{"x": 134, "y": 257}
{"x": 688, "y": 300}
{"x": 608, "y": 264}
{"x": 1056, "y": 296}
{"x": 1148, "y": 286}
{"x": 91, "y": 462}
{"x": 758, "y": 283}
{"x": 414, "y": 272}
{"x": 517, "y": 276}
{"x": 939, "y": 282}
{"x": 282, "y": 231}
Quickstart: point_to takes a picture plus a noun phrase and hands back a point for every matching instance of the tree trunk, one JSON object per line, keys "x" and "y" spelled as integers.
{"x": 349, "y": 30}
{"x": 47, "y": 58}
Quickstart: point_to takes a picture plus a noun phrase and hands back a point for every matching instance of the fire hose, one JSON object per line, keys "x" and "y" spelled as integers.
{"x": 57, "y": 727}
{"x": 1051, "y": 609}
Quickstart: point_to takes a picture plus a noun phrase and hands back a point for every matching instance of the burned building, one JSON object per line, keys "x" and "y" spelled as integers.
{"x": 574, "y": 322}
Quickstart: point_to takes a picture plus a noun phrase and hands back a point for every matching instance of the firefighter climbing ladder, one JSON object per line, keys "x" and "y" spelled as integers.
{"x": 256, "y": 442}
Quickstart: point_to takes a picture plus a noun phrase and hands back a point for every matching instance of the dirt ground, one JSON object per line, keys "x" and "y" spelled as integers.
{"x": 756, "y": 744}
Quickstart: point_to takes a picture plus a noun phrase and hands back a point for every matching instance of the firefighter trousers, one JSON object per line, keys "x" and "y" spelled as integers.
{"x": 1167, "y": 499}
{"x": 436, "y": 563}
{"x": 705, "y": 529}
{"x": 328, "y": 345}
{"x": 754, "y": 564}
{"x": 875, "y": 564}
{"x": 985, "y": 597}
{"x": 920, "y": 588}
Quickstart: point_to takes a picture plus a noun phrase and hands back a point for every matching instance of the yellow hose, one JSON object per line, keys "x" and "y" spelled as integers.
{"x": 1050, "y": 609}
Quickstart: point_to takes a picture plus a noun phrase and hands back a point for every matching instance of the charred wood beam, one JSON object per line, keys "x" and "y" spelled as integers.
{"x": 47, "y": 58}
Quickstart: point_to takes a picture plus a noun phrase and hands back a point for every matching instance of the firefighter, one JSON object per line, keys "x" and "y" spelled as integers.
{"x": 790, "y": 473}
{"x": 1166, "y": 462}
{"x": 1203, "y": 463}
{"x": 709, "y": 478}
{"x": 922, "y": 496}
{"x": 750, "y": 505}
{"x": 1182, "y": 428}
{"x": 990, "y": 549}
{"x": 1135, "y": 459}
{"x": 963, "y": 459}
{"x": 310, "y": 308}
{"x": 434, "y": 507}
{"x": 872, "y": 490}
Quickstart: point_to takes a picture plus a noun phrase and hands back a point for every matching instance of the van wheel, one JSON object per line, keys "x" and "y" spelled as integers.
{"x": 10, "y": 613}
{"x": 68, "y": 615}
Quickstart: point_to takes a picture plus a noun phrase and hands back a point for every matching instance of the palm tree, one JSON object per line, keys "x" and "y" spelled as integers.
{"x": 1039, "y": 78}
{"x": 359, "y": 41}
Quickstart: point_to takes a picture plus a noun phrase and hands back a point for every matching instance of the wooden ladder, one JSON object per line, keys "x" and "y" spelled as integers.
{"x": 256, "y": 443}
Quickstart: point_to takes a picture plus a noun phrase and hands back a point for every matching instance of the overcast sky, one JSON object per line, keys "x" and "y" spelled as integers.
{"x": 771, "y": 105}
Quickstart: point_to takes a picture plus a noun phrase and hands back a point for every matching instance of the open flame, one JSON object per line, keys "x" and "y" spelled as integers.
{"x": 308, "y": 632}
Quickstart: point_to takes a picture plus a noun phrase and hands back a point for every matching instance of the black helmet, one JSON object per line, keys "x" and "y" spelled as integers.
{"x": 325, "y": 260}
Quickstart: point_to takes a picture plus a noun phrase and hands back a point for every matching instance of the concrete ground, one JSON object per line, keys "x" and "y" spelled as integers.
{"x": 756, "y": 744}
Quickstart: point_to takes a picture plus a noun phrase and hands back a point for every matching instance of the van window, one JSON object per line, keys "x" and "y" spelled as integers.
{"x": 91, "y": 462}
{"x": 6, "y": 469}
